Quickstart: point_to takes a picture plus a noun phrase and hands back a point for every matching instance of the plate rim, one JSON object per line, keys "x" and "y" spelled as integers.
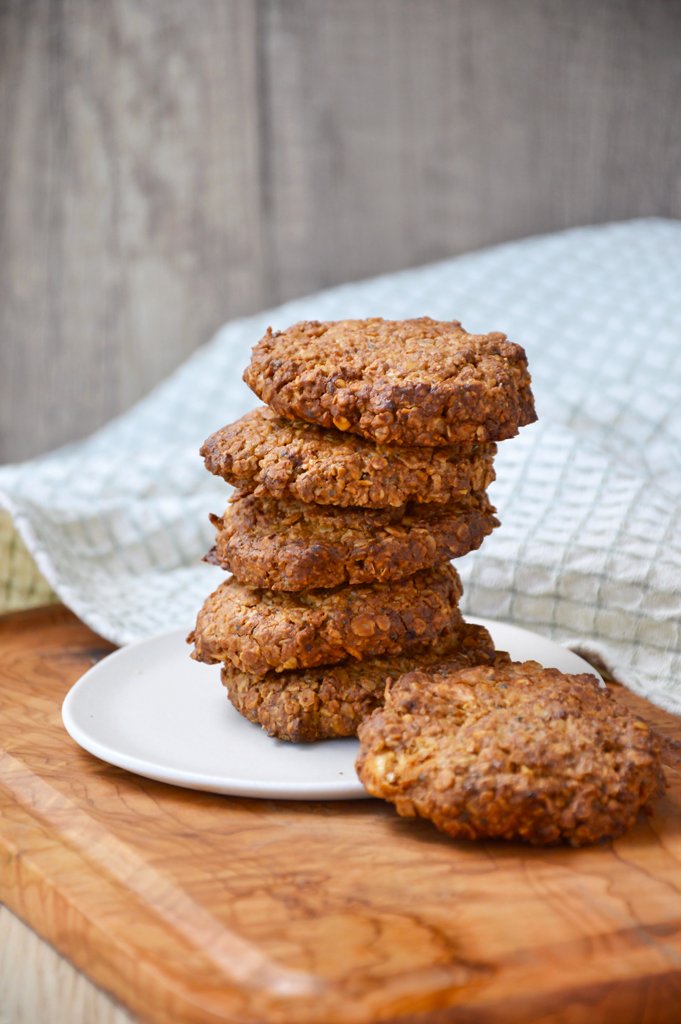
{"x": 346, "y": 789}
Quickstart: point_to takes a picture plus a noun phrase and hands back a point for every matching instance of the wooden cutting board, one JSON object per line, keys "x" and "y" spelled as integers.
{"x": 191, "y": 907}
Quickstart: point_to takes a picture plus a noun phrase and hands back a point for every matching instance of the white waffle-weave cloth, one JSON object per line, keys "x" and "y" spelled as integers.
{"x": 589, "y": 551}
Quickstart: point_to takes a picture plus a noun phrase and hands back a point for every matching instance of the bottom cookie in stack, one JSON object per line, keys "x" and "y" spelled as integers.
{"x": 271, "y": 645}
{"x": 332, "y": 700}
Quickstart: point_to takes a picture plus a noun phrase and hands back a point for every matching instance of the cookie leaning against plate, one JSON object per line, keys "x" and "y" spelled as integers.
{"x": 323, "y": 703}
{"x": 263, "y": 630}
{"x": 513, "y": 751}
{"x": 268, "y": 455}
{"x": 288, "y": 545}
{"x": 408, "y": 382}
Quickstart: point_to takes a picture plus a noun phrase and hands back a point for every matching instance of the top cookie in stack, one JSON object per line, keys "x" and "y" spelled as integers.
{"x": 364, "y": 477}
{"x": 407, "y": 382}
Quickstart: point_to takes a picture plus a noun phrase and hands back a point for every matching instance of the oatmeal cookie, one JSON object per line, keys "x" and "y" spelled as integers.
{"x": 408, "y": 382}
{"x": 288, "y": 545}
{"x": 266, "y": 455}
{"x": 261, "y": 630}
{"x": 513, "y": 751}
{"x": 322, "y": 703}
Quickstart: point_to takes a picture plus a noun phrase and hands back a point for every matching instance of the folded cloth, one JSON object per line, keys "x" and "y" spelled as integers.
{"x": 589, "y": 551}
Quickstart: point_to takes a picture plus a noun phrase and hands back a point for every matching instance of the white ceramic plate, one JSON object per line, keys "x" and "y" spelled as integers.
{"x": 151, "y": 710}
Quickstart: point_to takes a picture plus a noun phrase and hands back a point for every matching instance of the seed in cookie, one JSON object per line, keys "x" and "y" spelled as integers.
{"x": 289, "y": 545}
{"x": 510, "y": 751}
{"x": 407, "y": 382}
{"x": 263, "y": 630}
{"x": 267, "y": 455}
{"x": 322, "y": 703}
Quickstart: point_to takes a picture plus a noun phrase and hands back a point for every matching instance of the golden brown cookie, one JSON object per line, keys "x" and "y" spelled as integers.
{"x": 322, "y": 703}
{"x": 408, "y": 382}
{"x": 513, "y": 751}
{"x": 288, "y": 545}
{"x": 267, "y": 455}
{"x": 263, "y": 630}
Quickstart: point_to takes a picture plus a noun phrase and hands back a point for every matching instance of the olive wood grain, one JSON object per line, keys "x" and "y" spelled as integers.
{"x": 192, "y": 907}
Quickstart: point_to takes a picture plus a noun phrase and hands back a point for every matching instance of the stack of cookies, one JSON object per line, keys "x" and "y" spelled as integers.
{"x": 364, "y": 474}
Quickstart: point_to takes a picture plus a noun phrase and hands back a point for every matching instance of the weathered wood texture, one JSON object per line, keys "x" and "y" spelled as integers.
{"x": 167, "y": 165}
{"x": 198, "y": 908}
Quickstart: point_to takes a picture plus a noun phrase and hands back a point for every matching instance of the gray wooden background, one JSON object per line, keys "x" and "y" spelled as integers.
{"x": 168, "y": 164}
